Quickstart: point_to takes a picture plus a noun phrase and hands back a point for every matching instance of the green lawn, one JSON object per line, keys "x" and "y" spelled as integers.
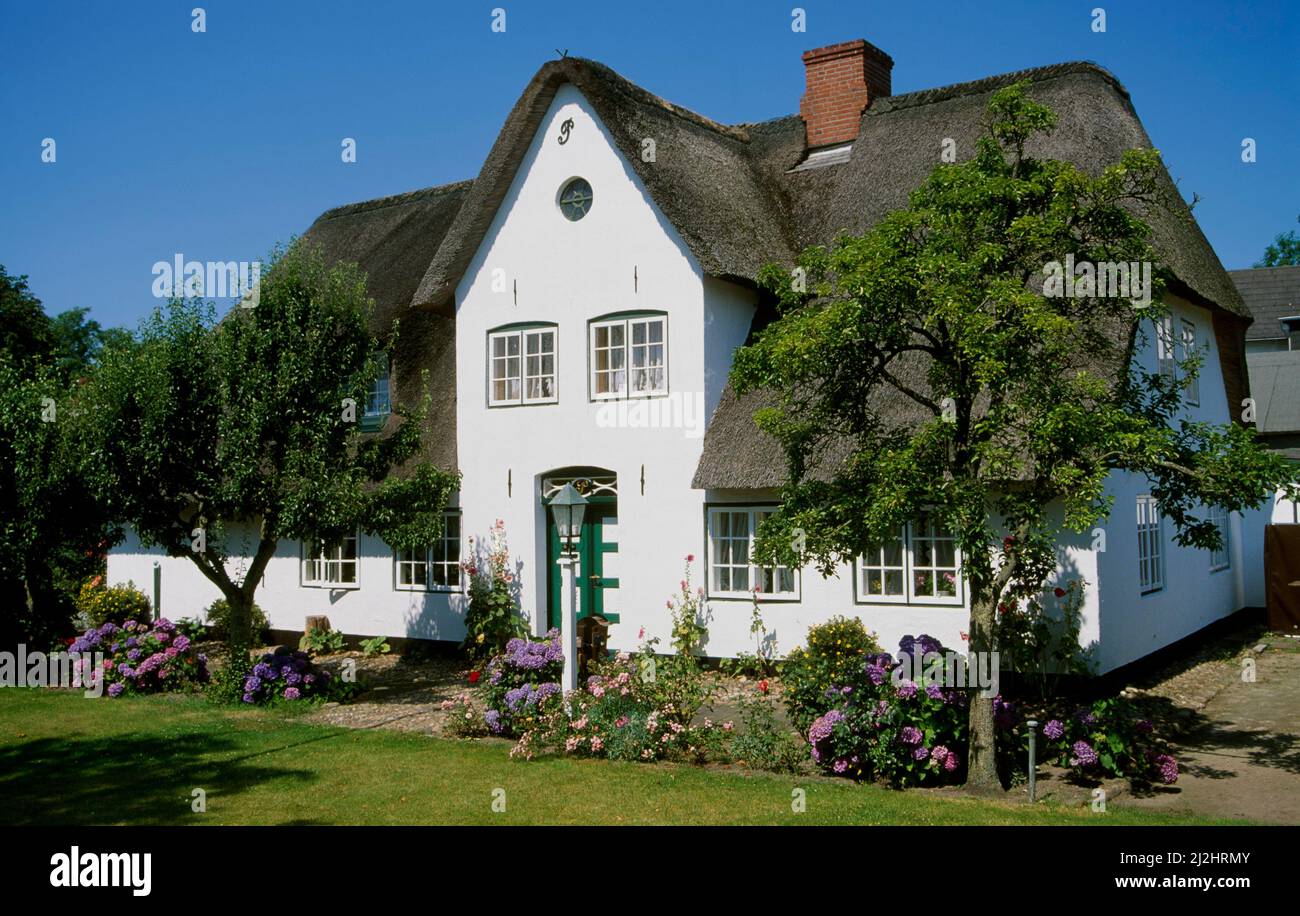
{"x": 65, "y": 759}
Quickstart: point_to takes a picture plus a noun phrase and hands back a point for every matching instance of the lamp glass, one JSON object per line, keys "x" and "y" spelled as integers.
{"x": 568, "y": 508}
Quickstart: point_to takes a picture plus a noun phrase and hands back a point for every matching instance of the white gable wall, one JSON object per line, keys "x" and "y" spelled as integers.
{"x": 536, "y": 266}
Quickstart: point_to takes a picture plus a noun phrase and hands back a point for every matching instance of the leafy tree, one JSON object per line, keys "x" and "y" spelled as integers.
{"x": 205, "y": 424}
{"x": 51, "y": 529}
{"x": 1285, "y": 250}
{"x": 25, "y": 332}
{"x": 920, "y": 368}
{"x": 79, "y": 342}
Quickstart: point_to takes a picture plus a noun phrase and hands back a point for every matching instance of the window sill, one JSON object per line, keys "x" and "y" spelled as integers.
{"x": 763, "y": 597}
{"x": 644, "y": 396}
{"x": 430, "y": 589}
{"x": 493, "y": 406}
{"x": 333, "y": 586}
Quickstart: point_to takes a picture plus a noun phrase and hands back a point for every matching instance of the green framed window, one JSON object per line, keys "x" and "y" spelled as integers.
{"x": 378, "y": 403}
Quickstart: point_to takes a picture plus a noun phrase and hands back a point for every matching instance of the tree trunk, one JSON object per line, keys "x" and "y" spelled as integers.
{"x": 240, "y": 635}
{"x": 982, "y": 767}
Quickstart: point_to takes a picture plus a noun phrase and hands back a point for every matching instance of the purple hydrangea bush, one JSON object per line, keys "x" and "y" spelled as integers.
{"x": 522, "y": 683}
{"x": 143, "y": 657}
{"x": 285, "y": 675}
{"x": 1108, "y": 738}
{"x": 885, "y": 726}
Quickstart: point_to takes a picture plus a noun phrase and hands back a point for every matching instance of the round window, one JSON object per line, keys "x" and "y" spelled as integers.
{"x": 575, "y": 199}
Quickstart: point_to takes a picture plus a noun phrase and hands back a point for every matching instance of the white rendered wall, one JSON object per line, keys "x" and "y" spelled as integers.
{"x": 373, "y": 608}
{"x": 569, "y": 273}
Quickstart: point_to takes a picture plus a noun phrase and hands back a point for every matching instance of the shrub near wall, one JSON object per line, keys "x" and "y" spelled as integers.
{"x": 834, "y": 656}
{"x": 97, "y": 605}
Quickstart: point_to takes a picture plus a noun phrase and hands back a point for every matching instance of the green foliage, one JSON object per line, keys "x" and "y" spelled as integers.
{"x": 1108, "y": 738}
{"x": 98, "y": 605}
{"x": 206, "y": 422}
{"x": 1284, "y": 251}
{"x": 763, "y": 741}
{"x": 675, "y": 684}
{"x": 492, "y": 618}
{"x": 227, "y": 683}
{"x": 322, "y": 642}
{"x": 921, "y": 366}
{"x": 52, "y": 529}
{"x": 834, "y": 656}
{"x": 376, "y": 645}
{"x": 1041, "y": 647}
{"x": 762, "y": 661}
{"x": 193, "y": 629}
{"x": 218, "y": 617}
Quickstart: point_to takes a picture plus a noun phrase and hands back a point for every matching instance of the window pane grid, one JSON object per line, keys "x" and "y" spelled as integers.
{"x": 334, "y": 563}
{"x": 435, "y": 568}
{"x": 921, "y": 565}
{"x": 732, "y": 570}
{"x": 1221, "y": 558}
{"x": 1150, "y": 561}
{"x": 1193, "y": 392}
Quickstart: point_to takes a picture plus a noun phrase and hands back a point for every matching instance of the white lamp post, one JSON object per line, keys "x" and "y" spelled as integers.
{"x": 567, "y": 508}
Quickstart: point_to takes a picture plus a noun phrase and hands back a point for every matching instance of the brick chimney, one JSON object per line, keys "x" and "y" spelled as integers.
{"x": 842, "y": 81}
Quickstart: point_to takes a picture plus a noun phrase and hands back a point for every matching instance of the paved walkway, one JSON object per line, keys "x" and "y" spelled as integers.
{"x": 1240, "y": 756}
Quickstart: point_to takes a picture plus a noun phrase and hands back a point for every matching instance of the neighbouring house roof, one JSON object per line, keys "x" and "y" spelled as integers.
{"x": 1275, "y": 386}
{"x": 1270, "y": 293}
{"x": 738, "y": 200}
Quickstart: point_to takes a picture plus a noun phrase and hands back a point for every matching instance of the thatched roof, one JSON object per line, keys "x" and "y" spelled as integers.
{"x": 393, "y": 239}
{"x": 897, "y": 147}
{"x": 1270, "y": 293}
{"x": 730, "y": 193}
{"x": 703, "y": 179}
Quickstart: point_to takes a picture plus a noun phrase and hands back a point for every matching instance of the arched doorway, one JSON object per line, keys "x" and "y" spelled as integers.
{"x": 598, "y": 556}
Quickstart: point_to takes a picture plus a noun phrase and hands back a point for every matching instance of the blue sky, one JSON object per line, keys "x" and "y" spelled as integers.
{"x": 218, "y": 145}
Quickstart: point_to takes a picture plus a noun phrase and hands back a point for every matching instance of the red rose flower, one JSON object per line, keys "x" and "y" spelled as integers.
{"x": 1059, "y": 592}
{"x": 690, "y": 558}
{"x": 762, "y": 685}
{"x": 474, "y": 676}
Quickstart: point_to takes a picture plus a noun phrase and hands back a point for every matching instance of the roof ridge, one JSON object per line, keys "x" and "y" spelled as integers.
{"x": 394, "y": 200}
{"x": 637, "y": 91}
{"x": 1247, "y": 270}
{"x": 987, "y": 83}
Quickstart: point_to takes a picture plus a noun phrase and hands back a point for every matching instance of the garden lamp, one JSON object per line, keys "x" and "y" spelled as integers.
{"x": 567, "y": 508}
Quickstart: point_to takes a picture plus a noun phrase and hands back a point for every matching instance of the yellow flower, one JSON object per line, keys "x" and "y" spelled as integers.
{"x": 480, "y": 638}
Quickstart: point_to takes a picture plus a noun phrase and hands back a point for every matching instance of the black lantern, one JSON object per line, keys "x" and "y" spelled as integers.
{"x": 567, "y": 508}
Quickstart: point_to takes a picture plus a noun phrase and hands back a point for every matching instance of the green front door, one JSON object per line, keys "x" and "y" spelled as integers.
{"x": 597, "y": 571}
